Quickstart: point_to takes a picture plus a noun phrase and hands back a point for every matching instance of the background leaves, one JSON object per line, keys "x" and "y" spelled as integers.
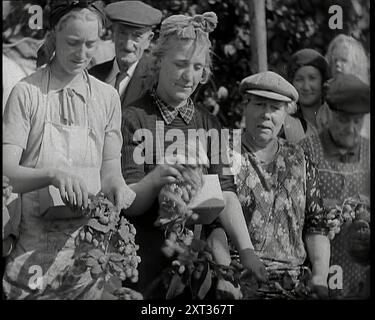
{"x": 291, "y": 25}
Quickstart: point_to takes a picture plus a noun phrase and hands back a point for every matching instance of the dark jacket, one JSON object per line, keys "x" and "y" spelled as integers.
{"x": 136, "y": 87}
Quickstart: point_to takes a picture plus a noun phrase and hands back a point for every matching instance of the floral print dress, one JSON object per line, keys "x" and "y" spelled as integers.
{"x": 339, "y": 181}
{"x": 281, "y": 202}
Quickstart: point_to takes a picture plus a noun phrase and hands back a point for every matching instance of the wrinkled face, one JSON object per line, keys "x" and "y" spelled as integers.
{"x": 76, "y": 44}
{"x": 264, "y": 118}
{"x": 345, "y": 128}
{"x": 340, "y": 60}
{"x": 308, "y": 82}
{"x": 181, "y": 70}
{"x": 130, "y": 43}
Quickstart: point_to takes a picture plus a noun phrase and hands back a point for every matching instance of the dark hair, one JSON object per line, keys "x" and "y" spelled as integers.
{"x": 307, "y": 57}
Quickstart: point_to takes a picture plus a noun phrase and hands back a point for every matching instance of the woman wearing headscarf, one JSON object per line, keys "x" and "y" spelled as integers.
{"x": 307, "y": 70}
{"x": 278, "y": 188}
{"x": 182, "y": 62}
{"x": 346, "y": 55}
{"x": 61, "y": 141}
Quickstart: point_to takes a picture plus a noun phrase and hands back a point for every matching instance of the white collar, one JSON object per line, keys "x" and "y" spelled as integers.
{"x": 115, "y": 70}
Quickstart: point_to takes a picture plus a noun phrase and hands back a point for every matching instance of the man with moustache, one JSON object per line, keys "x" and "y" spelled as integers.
{"x": 133, "y": 22}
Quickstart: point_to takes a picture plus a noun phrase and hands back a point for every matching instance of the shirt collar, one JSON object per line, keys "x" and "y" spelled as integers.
{"x": 78, "y": 85}
{"x": 169, "y": 113}
{"x": 333, "y": 152}
{"x": 116, "y": 70}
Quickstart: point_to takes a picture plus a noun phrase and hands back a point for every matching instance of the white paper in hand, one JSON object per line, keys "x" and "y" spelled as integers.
{"x": 209, "y": 202}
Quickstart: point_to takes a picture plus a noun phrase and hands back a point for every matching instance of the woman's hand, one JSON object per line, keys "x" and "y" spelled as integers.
{"x": 163, "y": 174}
{"x": 253, "y": 266}
{"x": 118, "y": 193}
{"x": 73, "y": 190}
{"x": 319, "y": 287}
{"x": 225, "y": 290}
{"x": 358, "y": 241}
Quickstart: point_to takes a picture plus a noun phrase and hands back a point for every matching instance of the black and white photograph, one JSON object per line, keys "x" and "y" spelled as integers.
{"x": 196, "y": 151}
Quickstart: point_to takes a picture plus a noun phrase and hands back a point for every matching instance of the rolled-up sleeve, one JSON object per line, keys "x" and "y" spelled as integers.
{"x": 315, "y": 215}
{"x": 16, "y": 117}
{"x": 113, "y": 137}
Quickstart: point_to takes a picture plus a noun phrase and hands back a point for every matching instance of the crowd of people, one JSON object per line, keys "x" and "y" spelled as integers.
{"x": 71, "y": 129}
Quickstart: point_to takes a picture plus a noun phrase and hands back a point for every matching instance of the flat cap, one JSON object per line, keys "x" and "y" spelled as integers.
{"x": 347, "y": 93}
{"x": 269, "y": 85}
{"x": 133, "y": 13}
{"x": 307, "y": 57}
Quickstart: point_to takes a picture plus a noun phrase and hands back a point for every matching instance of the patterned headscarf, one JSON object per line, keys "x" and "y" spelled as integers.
{"x": 60, "y": 8}
{"x": 182, "y": 27}
{"x": 186, "y": 27}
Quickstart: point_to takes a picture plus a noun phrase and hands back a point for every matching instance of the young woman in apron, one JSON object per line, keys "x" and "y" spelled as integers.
{"x": 62, "y": 141}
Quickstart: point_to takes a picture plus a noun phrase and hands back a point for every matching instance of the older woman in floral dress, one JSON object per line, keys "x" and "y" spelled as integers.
{"x": 342, "y": 158}
{"x": 277, "y": 187}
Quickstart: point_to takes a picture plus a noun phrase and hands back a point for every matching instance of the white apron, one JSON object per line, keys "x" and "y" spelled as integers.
{"x": 48, "y": 228}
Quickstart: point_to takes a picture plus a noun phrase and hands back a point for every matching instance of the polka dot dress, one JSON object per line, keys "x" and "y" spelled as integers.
{"x": 340, "y": 181}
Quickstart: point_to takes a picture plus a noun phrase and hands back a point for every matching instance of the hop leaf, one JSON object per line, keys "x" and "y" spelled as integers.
{"x": 96, "y": 225}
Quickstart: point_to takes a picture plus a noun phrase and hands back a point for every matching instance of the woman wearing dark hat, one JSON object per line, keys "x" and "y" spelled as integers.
{"x": 182, "y": 62}
{"x": 307, "y": 71}
{"x": 278, "y": 189}
{"x": 342, "y": 158}
{"x": 61, "y": 141}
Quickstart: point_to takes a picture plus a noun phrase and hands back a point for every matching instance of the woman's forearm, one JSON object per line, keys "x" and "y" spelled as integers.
{"x": 318, "y": 250}
{"x": 110, "y": 174}
{"x": 233, "y": 221}
{"x": 218, "y": 243}
{"x": 146, "y": 195}
{"x": 24, "y": 179}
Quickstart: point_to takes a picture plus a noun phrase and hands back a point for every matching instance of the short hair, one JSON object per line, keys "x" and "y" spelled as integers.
{"x": 358, "y": 58}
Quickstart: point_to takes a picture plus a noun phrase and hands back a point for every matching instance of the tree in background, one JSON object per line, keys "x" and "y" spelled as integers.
{"x": 291, "y": 25}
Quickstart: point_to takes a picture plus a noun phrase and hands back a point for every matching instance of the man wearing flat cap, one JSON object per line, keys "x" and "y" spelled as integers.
{"x": 278, "y": 190}
{"x": 342, "y": 157}
{"x": 133, "y": 22}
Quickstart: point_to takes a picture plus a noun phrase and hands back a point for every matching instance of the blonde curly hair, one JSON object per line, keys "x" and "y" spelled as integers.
{"x": 358, "y": 59}
{"x": 181, "y": 27}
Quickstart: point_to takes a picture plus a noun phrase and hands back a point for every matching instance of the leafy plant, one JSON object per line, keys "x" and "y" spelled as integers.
{"x": 105, "y": 248}
{"x": 192, "y": 268}
{"x": 349, "y": 211}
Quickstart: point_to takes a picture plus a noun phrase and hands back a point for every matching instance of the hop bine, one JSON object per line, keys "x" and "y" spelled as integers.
{"x": 105, "y": 248}
{"x": 192, "y": 265}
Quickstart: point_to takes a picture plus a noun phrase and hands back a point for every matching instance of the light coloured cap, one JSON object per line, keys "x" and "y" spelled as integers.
{"x": 269, "y": 85}
{"x": 133, "y": 13}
